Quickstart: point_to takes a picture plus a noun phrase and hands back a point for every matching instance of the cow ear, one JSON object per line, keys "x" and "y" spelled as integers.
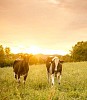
{"x": 61, "y": 61}
{"x": 52, "y": 61}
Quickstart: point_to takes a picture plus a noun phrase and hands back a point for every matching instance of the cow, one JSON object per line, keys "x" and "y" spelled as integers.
{"x": 21, "y": 68}
{"x": 54, "y": 69}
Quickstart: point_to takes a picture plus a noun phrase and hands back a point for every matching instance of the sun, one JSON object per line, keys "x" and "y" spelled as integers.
{"x": 18, "y": 49}
{"x": 15, "y": 50}
{"x": 21, "y": 49}
{"x": 33, "y": 49}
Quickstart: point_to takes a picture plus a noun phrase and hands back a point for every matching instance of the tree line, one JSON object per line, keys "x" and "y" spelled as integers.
{"x": 78, "y": 53}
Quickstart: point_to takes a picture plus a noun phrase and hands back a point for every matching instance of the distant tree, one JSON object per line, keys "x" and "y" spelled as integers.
{"x": 41, "y": 60}
{"x": 33, "y": 60}
{"x": 66, "y": 58}
{"x": 79, "y": 51}
{"x": 2, "y": 58}
{"x": 1, "y": 51}
{"x": 7, "y": 51}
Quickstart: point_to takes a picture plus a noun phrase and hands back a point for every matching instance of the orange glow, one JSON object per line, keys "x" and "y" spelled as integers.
{"x": 42, "y": 26}
{"x": 36, "y": 50}
{"x": 33, "y": 49}
{"x": 20, "y": 49}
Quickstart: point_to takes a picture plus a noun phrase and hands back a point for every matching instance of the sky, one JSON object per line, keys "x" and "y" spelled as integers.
{"x": 42, "y": 26}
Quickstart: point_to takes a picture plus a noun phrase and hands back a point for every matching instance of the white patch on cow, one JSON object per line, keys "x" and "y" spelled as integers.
{"x": 24, "y": 81}
{"x": 52, "y": 77}
{"x": 58, "y": 74}
{"x": 14, "y": 74}
{"x": 56, "y": 60}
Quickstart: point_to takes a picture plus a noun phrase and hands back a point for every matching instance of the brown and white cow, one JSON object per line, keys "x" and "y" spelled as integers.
{"x": 21, "y": 67}
{"x": 54, "y": 69}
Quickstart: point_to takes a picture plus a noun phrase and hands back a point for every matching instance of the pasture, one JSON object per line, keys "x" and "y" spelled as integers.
{"x": 73, "y": 84}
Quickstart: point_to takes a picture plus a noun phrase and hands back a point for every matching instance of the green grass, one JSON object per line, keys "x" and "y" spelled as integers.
{"x": 73, "y": 84}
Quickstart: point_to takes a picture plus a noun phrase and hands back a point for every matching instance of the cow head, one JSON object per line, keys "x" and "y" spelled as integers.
{"x": 55, "y": 61}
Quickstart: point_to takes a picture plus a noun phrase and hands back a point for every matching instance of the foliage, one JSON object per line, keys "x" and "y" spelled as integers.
{"x": 79, "y": 51}
{"x": 7, "y": 51}
{"x": 5, "y": 57}
{"x": 1, "y": 51}
{"x": 66, "y": 58}
{"x": 33, "y": 60}
{"x": 73, "y": 84}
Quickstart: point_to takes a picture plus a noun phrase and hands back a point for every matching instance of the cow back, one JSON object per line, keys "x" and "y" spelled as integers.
{"x": 21, "y": 67}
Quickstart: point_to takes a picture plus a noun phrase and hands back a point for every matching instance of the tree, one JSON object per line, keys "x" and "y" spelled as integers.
{"x": 1, "y": 51}
{"x": 79, "y": 51}
{"x": 66, "y": 58}
{"x": 33, "y": 60}
{"x": 2, "y": 58}
{"x": 7, "y": 51}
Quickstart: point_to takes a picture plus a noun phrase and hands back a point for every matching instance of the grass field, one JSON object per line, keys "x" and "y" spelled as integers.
{"x": 73, "y": 84}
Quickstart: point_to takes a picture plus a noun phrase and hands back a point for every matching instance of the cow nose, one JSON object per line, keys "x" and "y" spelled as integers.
{"x": 55, "y": 70}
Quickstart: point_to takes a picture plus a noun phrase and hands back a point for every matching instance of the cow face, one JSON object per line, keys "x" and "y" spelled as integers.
{"x": 55, "y": 62}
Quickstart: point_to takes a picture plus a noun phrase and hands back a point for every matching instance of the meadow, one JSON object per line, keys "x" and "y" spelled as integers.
{"x": 73, "y": 84}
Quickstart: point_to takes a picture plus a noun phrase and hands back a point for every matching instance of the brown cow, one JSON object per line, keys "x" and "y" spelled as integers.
{"x": 54, "y": 68}
{"x": 21, "y": 67}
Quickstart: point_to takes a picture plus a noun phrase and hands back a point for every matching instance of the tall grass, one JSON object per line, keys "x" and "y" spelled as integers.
{"x": 73, "y": 84}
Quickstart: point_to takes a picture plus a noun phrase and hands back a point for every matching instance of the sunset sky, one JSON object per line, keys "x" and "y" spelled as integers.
{"x": 42, "y": 26}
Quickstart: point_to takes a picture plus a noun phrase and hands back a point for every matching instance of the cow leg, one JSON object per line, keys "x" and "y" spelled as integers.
{"x": 59, "y": 77}
{"x": 18, "y": 78}
{"x": 25, "y": 76}
{"x": 48, "y": 77}
{"x": 52, "y": 78}
{"x": 15, "y": 75}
